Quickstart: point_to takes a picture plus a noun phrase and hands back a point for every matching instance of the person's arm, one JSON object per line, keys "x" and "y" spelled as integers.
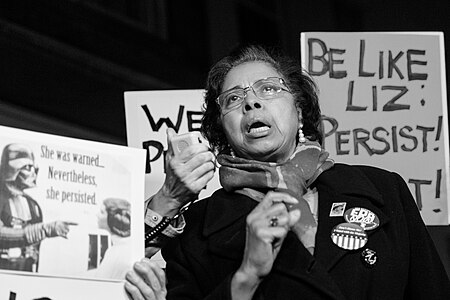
{"x": 244, "y": 284}
{"x": 427, "y": 277}
{"x": 32, "y": 233}
{"x": 263, "y": 242}
{"x": 186, "y": 175}
{"x": 154, "y": 241}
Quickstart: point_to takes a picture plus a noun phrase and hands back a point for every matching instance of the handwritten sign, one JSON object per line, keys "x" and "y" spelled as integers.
{"x": 383, "y": 100}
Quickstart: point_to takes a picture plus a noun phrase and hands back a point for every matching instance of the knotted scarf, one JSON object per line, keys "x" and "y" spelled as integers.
{"x": 255, "y": 178}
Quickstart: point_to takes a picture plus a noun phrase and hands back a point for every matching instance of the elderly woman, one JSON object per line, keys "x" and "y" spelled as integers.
{"x": 288, "y": 223}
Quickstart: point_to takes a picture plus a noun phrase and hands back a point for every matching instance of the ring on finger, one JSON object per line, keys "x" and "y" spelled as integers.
{"x": 273, "y": 222}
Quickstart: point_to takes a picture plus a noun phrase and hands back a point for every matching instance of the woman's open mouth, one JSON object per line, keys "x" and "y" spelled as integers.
{"x": 258, "y": 127}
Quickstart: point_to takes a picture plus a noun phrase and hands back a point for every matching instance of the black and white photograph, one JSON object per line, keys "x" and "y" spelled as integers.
{"x": 235, "y": 150}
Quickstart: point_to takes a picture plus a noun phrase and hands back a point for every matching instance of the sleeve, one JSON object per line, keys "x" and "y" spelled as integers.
{"x": 184, "y": 277}
{"x": 427, "y": 276}
{"x": 19, "y": 237}
{"x": 152, "y": 219}
{"x": 175, "y": 228}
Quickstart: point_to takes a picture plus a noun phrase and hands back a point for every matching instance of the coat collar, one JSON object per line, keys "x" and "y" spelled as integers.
{"x": 350, "y": 181}
{"x": 223, "y": 209}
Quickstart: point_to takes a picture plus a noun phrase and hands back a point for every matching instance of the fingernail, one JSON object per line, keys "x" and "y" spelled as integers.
{"x": 293, "y": 199}
{"x": 139, "y": 265}
{"x": 129, "y": 276}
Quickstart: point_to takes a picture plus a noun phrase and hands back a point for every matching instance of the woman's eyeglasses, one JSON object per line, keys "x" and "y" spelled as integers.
{"x": 264, "y": 89}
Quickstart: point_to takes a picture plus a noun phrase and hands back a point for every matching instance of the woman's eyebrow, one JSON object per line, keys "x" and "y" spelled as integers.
{"x": 234, "y": 87}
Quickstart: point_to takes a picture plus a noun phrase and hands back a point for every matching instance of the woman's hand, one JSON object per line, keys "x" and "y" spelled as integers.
{"x": 186, "y": 175}
{"x": 147, "y": 281}
{"x": 267, "y": 226}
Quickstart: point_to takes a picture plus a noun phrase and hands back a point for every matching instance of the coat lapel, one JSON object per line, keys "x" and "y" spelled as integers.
{"x": 295, "y": 261}
{"x": 356, "y": 191}
{"x": 224, "y": 225}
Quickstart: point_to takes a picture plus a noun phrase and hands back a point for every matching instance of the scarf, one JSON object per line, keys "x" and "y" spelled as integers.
{"x": 256, "y": 178}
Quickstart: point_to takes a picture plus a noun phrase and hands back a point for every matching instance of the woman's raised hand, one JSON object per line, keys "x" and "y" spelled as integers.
{"x": 267, "y": 226}
{"x": 186, "y": 175}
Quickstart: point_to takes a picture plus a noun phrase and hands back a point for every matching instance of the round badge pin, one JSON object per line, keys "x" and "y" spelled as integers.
{"x": 369, "y": 257}
{"x": 363, "y": 217}
{"x": 349, "y": 236}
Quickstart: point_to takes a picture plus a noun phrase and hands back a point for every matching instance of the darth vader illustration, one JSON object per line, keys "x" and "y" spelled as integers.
{"x": 21, "y": 221}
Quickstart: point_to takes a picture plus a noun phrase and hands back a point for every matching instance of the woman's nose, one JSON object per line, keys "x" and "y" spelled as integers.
{"x": 251, "y": 102}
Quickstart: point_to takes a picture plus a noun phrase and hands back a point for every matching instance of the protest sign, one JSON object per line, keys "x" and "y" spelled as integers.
{"x": 383, "y": 101}
{"x": 71, "y": 214}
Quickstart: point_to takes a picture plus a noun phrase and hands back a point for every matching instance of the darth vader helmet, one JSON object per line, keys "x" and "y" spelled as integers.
{"x": 18, "y": 167}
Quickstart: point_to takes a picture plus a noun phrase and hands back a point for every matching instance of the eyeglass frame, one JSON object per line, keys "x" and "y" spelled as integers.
{"x": 250, "y": 87}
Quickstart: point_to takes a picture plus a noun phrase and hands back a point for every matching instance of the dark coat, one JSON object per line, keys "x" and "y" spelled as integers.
{"x": 202, "y": 261}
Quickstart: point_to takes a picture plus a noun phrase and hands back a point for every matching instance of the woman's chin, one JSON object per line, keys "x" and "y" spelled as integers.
{"x": 270, "y": 155}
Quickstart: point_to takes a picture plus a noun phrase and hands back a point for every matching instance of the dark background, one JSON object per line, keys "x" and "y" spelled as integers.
{"x": 64, "y": 64}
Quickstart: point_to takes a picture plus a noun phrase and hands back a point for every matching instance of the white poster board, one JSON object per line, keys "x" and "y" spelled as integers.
{"x": 73, "y": 179}
{"x": 384, "y": 103}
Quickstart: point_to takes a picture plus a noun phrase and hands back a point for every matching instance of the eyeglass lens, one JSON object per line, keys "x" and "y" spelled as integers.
{"x": 264, "y": 89}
